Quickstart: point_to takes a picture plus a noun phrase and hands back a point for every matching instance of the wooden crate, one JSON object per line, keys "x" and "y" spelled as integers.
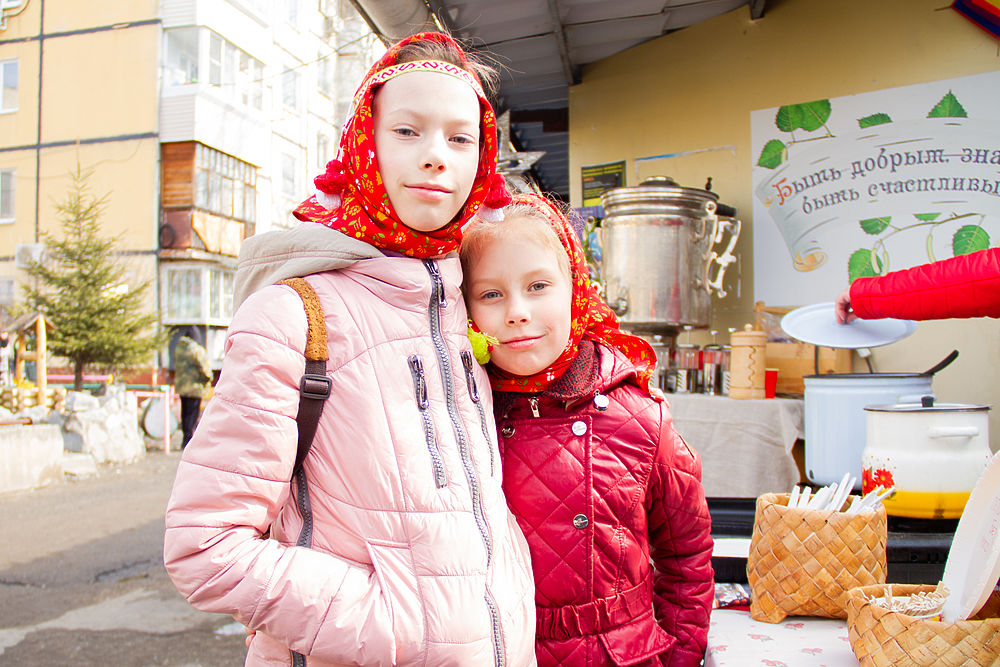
{"x": 795, "y": 360}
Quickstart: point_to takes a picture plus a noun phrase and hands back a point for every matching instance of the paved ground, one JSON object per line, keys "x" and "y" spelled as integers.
{"x": 82, "y": 579}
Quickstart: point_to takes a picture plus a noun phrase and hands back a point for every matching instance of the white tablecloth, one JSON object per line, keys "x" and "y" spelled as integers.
{"x": 745, "y": 446}
{"x": 735, "y": 639}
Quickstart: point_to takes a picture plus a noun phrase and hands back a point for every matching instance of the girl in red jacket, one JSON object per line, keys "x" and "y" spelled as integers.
{"x": 607, "y": 493}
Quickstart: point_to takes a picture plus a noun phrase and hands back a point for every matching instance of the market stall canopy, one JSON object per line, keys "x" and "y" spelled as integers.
{"x": 541, "y": 46}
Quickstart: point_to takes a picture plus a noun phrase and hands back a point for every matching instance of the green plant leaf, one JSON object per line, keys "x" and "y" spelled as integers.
{"x": 969, "y": 238}
{"x": 814, "y": 114}
{"x": 772, "y": 155}
{"x": 875, "y": 225}
{"x": 859, "y": 264}
{"x": 948, "y": 107}
{"x": 926, "y": 217}
{"x": 787, "y": 118}
{"x": 809, "y": 116}
{"x": 874, "y": 119}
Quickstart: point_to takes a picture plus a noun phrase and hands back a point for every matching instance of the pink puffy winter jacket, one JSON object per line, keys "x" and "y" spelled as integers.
{"x": 415, "y": 558}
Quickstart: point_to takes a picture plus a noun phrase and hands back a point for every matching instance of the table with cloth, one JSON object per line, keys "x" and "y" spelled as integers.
{"x": 798, "y": 641}
{"x": 745, "y": 445}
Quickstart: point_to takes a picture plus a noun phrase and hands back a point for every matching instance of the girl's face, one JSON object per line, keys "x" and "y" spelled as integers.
{"x": 427, "y": 146}
{"x": 518, "y": 292}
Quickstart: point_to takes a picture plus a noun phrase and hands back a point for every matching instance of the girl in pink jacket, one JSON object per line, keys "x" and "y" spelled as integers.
{"x": 608, "y": 494}
{"x": 393, "y": 545}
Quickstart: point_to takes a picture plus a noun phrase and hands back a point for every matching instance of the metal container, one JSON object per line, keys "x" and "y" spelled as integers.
{"x": 835, "y": 417}
{"x": 659, "y": 267}
{"x": 931, "y": 453}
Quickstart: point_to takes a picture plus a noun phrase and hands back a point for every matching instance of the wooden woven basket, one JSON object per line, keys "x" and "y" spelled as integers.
{"x": 803, "y": 562}
{"x": 881, "y": 638}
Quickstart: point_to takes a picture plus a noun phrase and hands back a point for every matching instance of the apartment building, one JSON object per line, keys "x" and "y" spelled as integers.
{"x": 203, "y": 120}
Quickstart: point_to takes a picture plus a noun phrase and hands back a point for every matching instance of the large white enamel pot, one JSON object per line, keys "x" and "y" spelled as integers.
{"x": 931, "y": 453}
{"x": 835, "y": 417}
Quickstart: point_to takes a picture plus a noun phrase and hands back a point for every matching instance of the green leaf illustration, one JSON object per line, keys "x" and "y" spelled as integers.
{"x": 948, "y": 107}
{"x": 772, "y": 155}
{"x": 809, "y": 116}
{"x": 969, "y": 238}
{"x": 874, "y": 119}
{"x": 926, "y": 217}
{"x": 863, "y": 263}
{"x": 875, "y": 225}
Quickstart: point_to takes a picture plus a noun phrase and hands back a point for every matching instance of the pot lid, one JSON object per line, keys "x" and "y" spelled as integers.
{"x": 658, "y": 191}
{"x": 928, "y": 406}
{"x": 817, "y": 324}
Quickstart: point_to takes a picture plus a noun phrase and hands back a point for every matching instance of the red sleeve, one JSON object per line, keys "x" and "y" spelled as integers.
{"x": 680, "y": 544}
{"x": 963, "y": 286}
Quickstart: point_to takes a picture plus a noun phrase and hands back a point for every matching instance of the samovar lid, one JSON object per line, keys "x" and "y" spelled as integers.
{"x": 657, "y": 191}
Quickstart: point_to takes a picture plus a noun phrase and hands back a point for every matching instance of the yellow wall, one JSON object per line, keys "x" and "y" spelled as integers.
{"x": 115, "y": 94}
{"x": 694, "y": 90}
{"x": 99, "y": 86}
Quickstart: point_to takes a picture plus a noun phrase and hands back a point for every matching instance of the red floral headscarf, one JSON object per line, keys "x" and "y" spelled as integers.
{"x": 590, "y": 315}
{"x": 351, "y": 197}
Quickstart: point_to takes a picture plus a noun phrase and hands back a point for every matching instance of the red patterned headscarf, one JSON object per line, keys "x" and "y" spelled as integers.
{"x": 591, "y": 317}
{"x": 350, "y": 195}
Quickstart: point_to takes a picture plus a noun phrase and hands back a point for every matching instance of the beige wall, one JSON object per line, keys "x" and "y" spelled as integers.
{"x": 694, "y": 90}
{"x": 99, "y": 86}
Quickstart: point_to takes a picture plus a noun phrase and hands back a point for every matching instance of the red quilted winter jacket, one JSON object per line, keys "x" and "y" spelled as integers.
{"x": 601, "y": 483}
{"x": 963, "y": 286}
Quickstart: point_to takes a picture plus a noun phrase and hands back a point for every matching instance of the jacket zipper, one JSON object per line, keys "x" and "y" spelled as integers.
{"x": 420, "y": 391}
{"x": 437, "y": 302}
{"x": 470, "y": 378}
{"x": 533, "y": 404}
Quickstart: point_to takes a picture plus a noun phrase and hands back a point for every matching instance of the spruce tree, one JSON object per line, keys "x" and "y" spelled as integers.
{"x": 81, "y": 286}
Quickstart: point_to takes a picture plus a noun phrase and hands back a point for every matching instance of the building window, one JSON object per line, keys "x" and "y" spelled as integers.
{"x": 198, "y": 294}
{"x": 322, "y": 151}
{"x": 238, "y": 75}
{"x": 220, "y": 293}
{"x": 288, "y": 169}
{"x": 325, "y": 74}
{"x": 8, "y": 177}
{"x": 8, "y": 85}
{"x": 225, "y": 185}
{"x": 184, "y": 293}
{"x": 6, "y": 291}
{"x": 181, "y": 65}
{"x": 290, "y": 88}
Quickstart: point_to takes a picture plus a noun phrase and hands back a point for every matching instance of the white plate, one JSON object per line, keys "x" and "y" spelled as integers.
{"x": 817, "y": 324}
{"x": 973, "y": 564}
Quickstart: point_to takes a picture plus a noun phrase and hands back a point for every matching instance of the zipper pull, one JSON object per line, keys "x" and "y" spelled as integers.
{"x": 469, "y": 378}
{"x": 533, "y": 402}
{"x": 417, "y": 369}
{"x": 435, "y": 272}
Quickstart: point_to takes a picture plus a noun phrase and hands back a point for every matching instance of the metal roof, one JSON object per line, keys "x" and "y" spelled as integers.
{"x": 541, "y": 46}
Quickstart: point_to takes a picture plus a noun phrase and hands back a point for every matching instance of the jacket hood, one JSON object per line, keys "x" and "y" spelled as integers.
{"x": 287, "y": 253}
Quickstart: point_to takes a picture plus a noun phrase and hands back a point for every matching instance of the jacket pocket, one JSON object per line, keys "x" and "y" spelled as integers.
{"x": 637, "y": 642}
{"x": 393, "y": 567}
{"x": 470, "y": 380}
{"x": 423, "y": 405}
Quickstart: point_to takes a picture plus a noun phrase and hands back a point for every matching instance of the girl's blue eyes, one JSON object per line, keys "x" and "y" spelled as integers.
{"x": 410, "y": 132}
{"x": 494, "y": 294}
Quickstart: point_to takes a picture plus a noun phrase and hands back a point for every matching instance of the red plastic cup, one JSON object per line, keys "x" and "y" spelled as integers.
{"x": 770, "y": 382}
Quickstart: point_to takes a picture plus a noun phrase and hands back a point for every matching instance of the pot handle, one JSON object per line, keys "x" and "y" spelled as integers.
{"x": 953, "y": 431}
{"x": 727, "y": 257}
